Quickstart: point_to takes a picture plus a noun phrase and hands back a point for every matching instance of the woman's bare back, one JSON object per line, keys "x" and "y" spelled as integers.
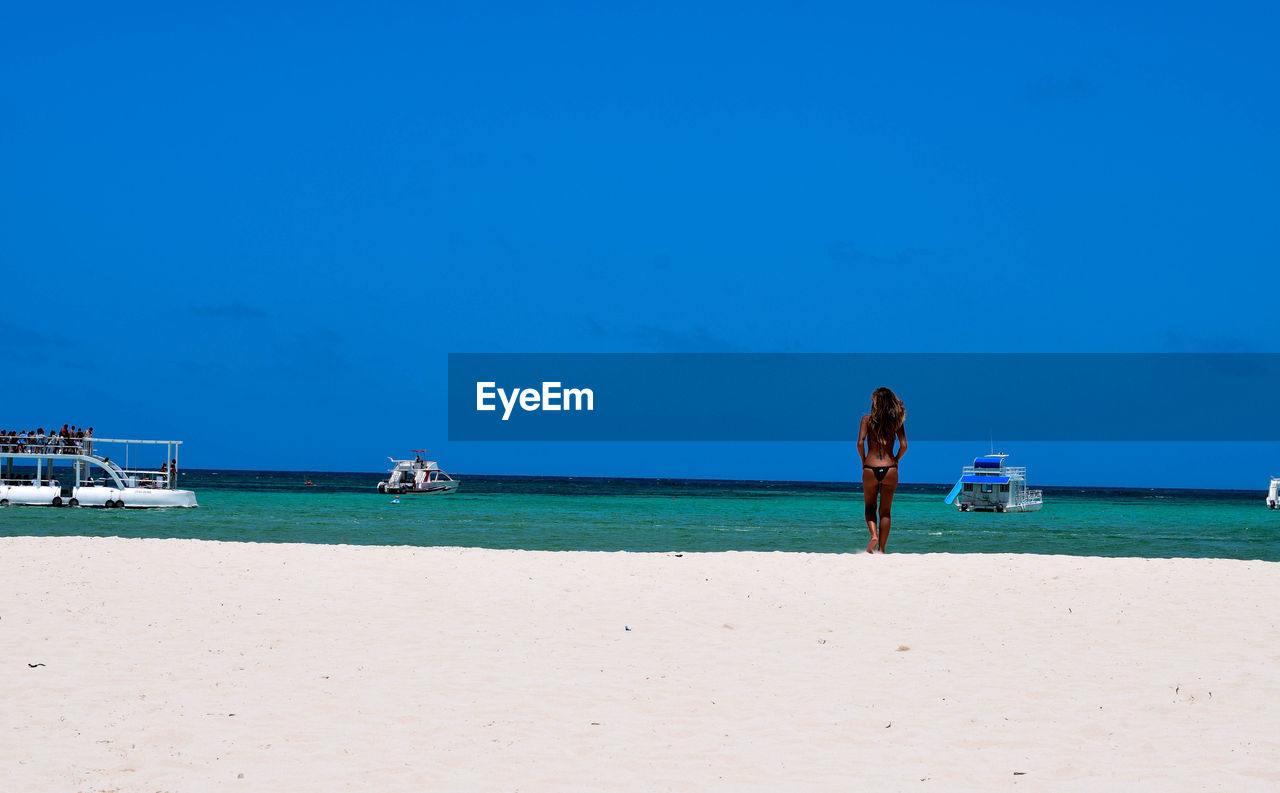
{"x": 878, "y": 453}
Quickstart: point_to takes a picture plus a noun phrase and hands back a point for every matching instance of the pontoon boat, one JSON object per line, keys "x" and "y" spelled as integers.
{"x": 991, "y": 486}
{"x": 76, "y": 473}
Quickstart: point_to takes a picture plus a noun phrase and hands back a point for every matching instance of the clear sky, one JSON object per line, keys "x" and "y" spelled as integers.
{"x": 261, "y": 227}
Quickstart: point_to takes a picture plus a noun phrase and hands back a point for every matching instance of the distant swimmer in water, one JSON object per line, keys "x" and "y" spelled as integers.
{"x": 310, "y": 483}
{"x": 395, "y": 500}
{"x": 879, "y": 428}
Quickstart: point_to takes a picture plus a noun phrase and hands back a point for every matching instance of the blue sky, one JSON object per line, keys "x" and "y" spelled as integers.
{"x": 262, "y": 229}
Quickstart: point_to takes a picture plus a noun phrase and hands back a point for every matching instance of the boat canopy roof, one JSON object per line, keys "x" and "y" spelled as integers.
{"x": 989, "y": 461}
{"x": 984, "y": 479}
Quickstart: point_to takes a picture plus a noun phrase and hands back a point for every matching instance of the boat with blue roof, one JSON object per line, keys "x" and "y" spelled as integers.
{"x": 991, "y": 485}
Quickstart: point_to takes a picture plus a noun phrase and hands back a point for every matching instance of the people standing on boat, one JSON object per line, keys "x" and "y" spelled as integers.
{"x": 14, "y": 441}
{"x": 876, "y": 434}
{"x": 69, "y": 440}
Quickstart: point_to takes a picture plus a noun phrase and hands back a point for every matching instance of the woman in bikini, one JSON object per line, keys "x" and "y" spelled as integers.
{"x": 886, "y": 421}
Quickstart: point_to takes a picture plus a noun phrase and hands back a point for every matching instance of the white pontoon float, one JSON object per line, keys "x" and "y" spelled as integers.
{"x": 76, "y": 473}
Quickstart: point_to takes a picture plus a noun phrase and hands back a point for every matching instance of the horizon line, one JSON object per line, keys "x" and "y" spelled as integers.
{"x": 713, "y": 479}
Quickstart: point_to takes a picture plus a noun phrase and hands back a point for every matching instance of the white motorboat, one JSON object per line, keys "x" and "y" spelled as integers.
{"x": 991, "y": 486}
{"x": 417, "y": 476}
{"x": 1273, "y": 495}
{"x": 61, "y": 473}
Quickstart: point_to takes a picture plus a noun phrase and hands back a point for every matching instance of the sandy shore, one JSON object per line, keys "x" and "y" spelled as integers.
{"x": 176, "y": 665}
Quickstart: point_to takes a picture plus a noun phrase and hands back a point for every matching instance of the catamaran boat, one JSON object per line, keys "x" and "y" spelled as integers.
{"x": 991, "y": 486}
{"x": 61, "y": 473}
{"x": 1273, "y": 495}
{"x": 417, "y": 476}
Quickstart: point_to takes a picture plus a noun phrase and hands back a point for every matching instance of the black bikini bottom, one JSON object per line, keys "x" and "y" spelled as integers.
{"x": 880, "y": 471}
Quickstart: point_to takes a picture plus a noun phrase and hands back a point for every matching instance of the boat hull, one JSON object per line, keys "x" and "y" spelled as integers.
{"x": 431, "y": 488}
{"x": 1032, "y": 506}
{"x": 438, "y": 487}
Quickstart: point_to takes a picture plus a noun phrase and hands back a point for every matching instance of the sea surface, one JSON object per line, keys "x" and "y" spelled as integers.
{"x": 560, "y": 514}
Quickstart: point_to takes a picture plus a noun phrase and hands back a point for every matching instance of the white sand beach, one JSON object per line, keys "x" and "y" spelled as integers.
{"x": 180, "y": 665}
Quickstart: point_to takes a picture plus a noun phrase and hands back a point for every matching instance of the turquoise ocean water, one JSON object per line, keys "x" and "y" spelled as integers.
{"x": 551, "y": 513}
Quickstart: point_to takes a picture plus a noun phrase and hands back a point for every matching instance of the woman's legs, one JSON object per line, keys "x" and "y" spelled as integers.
{"x": 870, "y": 489}
{"x": 887, "y": 488}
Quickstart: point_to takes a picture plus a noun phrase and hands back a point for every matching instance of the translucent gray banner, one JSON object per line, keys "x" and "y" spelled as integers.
{"x": 821, "y": 397}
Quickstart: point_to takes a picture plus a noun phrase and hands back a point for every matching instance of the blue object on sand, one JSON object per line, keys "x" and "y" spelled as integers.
{"x": 955, "y": 491}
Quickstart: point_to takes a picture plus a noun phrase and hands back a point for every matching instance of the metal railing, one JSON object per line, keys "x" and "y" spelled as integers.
{"x": 58, "y": 445}
{"x": 45, "y": 446}
{"x": 1028, "y": 496}
{"x": 1011, "y": 471}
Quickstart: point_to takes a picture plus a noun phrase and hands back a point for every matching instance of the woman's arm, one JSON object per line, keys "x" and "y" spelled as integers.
{"x": 902, "y": 442}
{"x": 862, "y": 439}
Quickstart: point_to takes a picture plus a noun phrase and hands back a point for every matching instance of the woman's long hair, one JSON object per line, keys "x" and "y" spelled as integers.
{"x": 887, "y": 415}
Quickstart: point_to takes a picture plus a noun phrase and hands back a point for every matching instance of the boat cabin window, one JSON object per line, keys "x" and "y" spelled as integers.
{"x": 17, "y": 473}
{"x": 986, "y": 488}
